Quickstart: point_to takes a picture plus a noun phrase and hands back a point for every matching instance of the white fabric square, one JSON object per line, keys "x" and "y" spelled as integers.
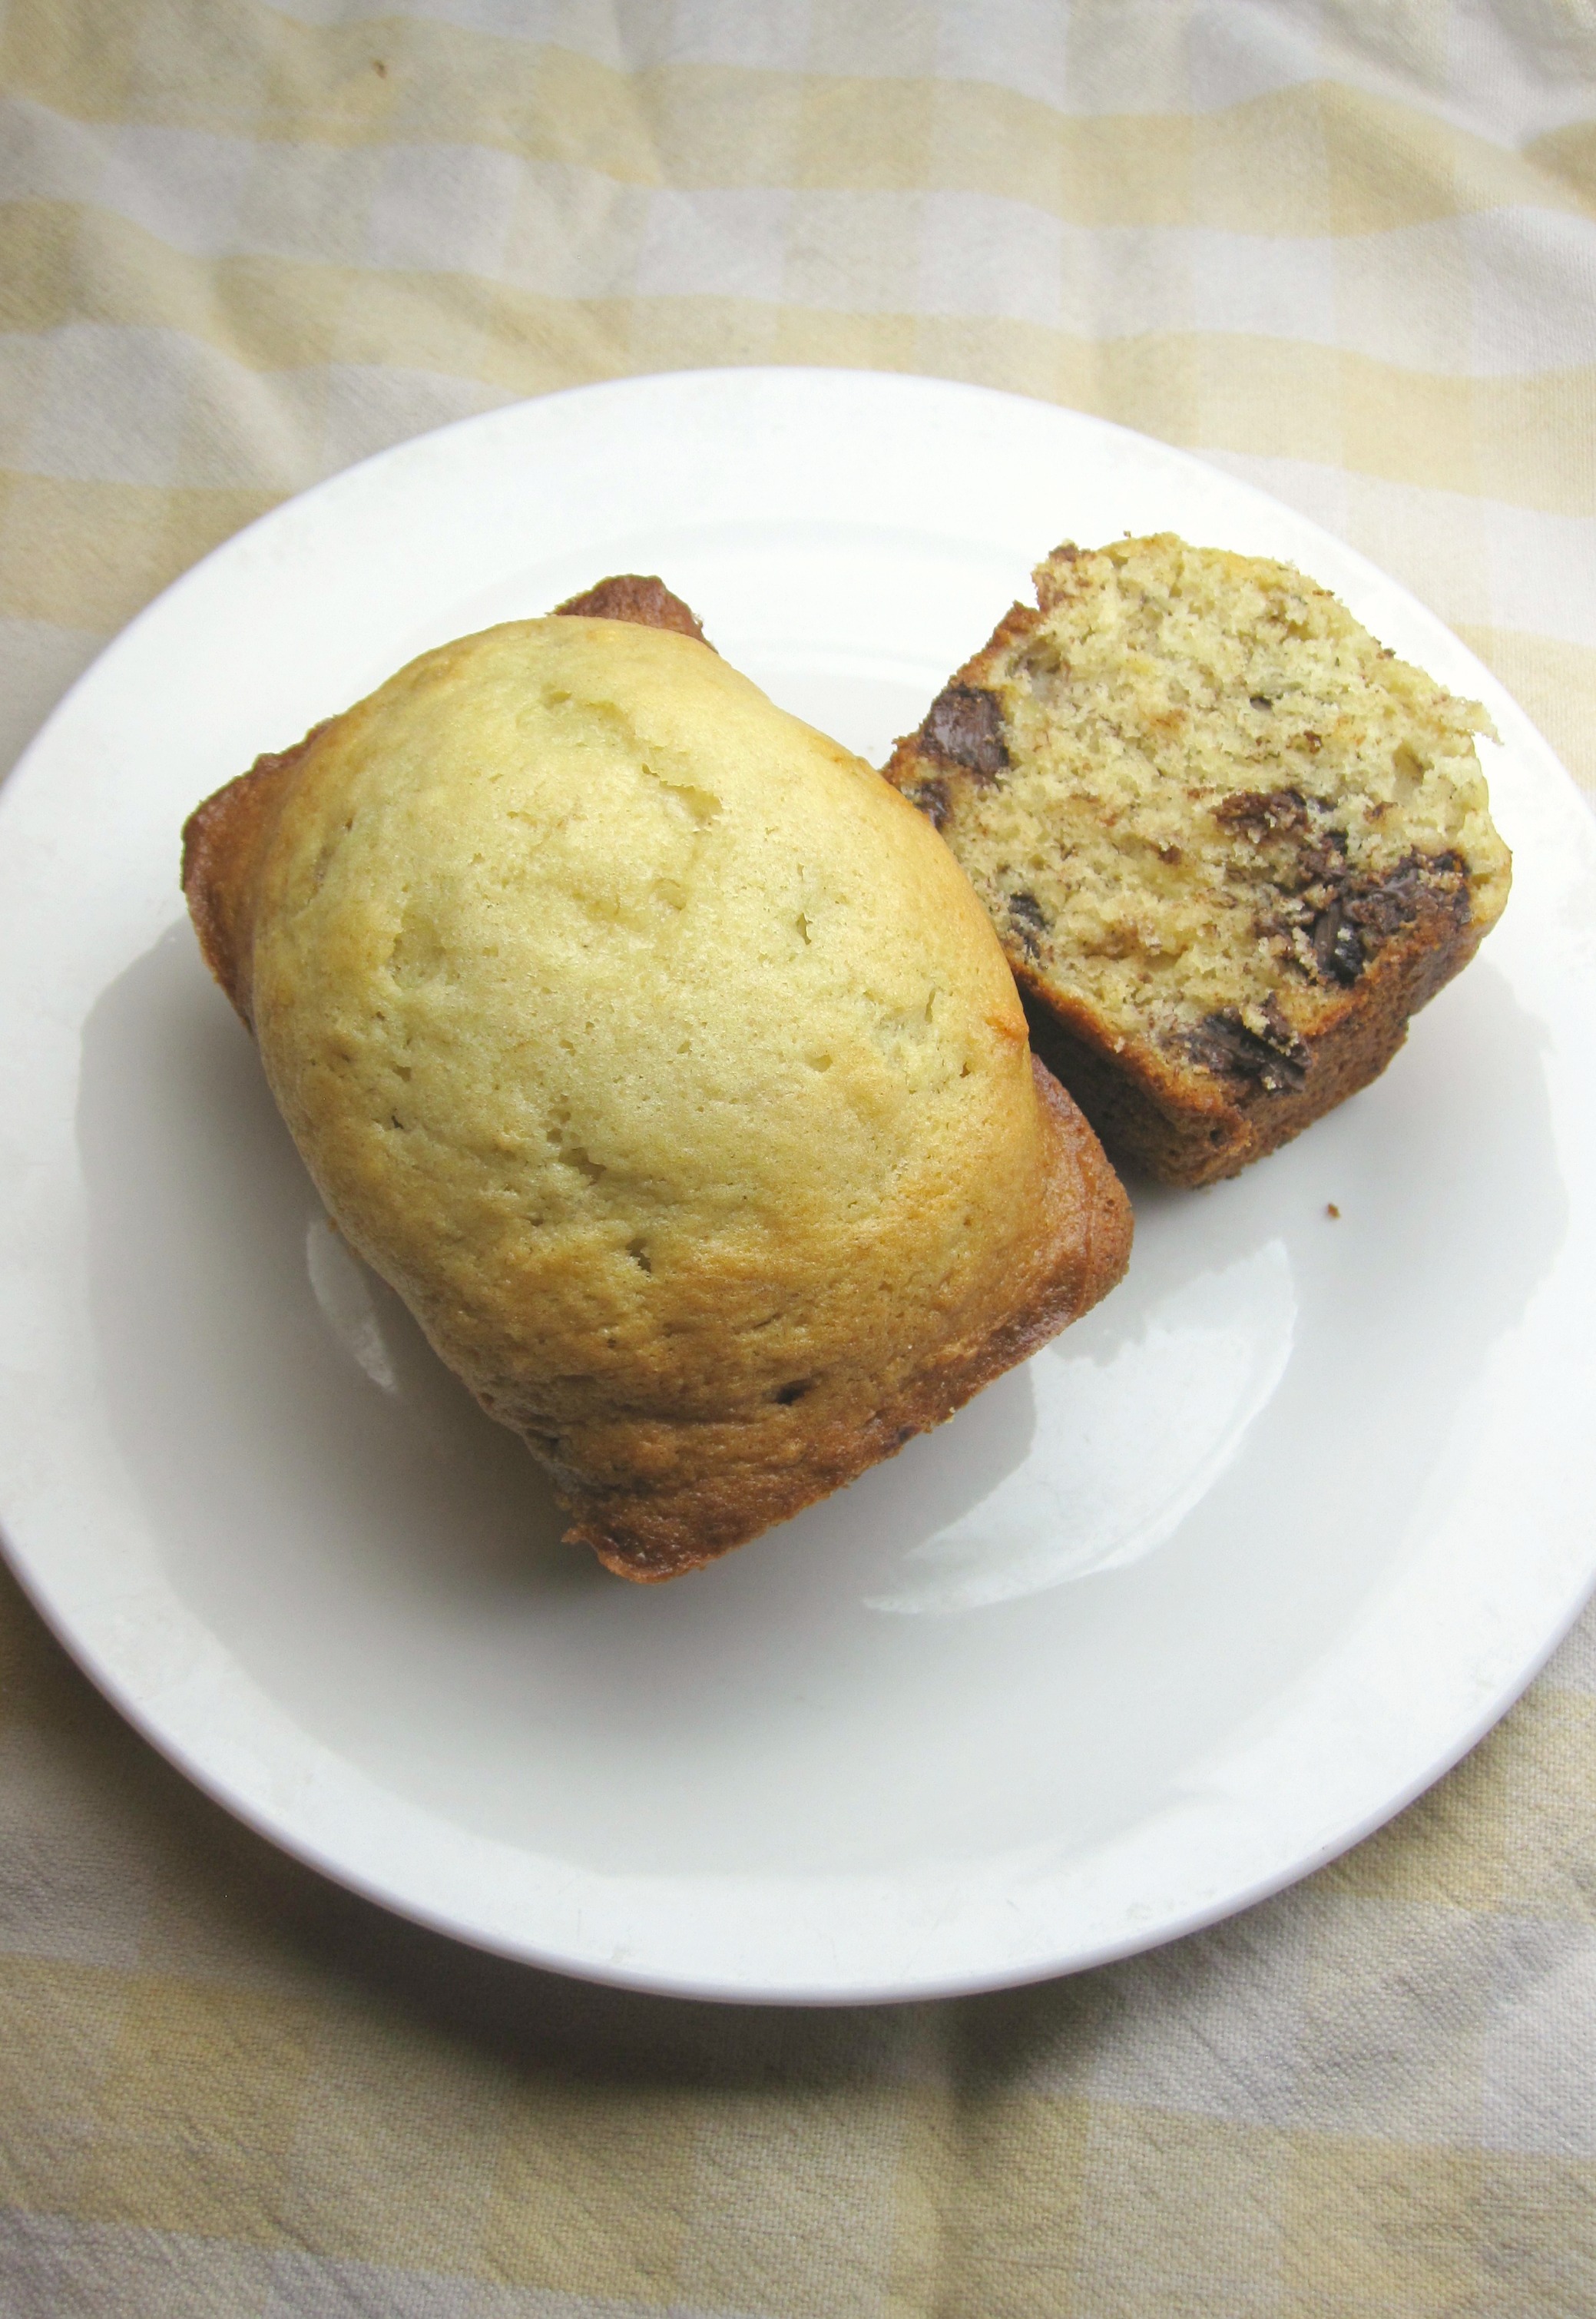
{"x": 180, "y": 185}
{"x": 853, "y": 253}
{"x": 44, "y": 157}
{"x": 1208, "y": 2027}
{"x": 589, "y": 27}
{"x": 247, "y": 429}
{"x": 1238, "y": 50}
{"x": 115, "y": 405}
{"x": 1021, "y": 45}
{"x": 1539, "y": 2092}
{"x": 1314, "y": 490}
{"x": 1542, "y": 570}
{"x": 1128, "y": 56}
{"x": 443, "y": 209}
{"x": 1433, "y": 541}
{"x": 1532, "y": 274}
{"x": 1572, "y": 1665}
{"x": 57, "y": 2268}
{"x": 1403, "y": 297}
{"x": 73, "y": 1885}
{"x": 575, "y": 233}
{"x": 303, "y": 2283}
{"x": 890, "y": 39}
{"x": 721, "y": 243}
{"x": 24, "y": 367}
{"x": 1390, "y": 51}
{"x": 1265, "y": 287}
{"x": 369, "y": 407}
{"x": 1118, "y": 282}
{"x": 981, "y": 255}
{"x": 732, "y": 32}
{"x": 309, "y": 203}
{"x": 38, "y": 661}
{"x": 1513, "y": 76}
{"x": 161, "y": 407}
{"x": 1403, "y": 2063}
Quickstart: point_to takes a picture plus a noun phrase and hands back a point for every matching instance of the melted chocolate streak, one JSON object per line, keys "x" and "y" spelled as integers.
{"x": 1344, "y": 933}
{"x": 1276, "y": 1056}
{"x": 1028, "y": 919}
{"x": 964, "y": 727}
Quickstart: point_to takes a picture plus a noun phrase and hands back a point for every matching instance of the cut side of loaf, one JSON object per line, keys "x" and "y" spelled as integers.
{"x": 1230, "y": 843}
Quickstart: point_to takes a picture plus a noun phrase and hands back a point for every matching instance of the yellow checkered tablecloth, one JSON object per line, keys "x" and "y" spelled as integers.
{"x": 1346, "y": 251}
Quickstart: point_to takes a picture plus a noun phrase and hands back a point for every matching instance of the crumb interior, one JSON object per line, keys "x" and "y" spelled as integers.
{"x": 1208, "y": 796}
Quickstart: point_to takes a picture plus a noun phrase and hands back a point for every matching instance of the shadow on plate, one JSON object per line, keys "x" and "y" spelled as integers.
{"x": 1221, "y": 1461}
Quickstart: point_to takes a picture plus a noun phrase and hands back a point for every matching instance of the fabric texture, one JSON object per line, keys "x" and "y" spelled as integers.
{"x": 1347, "y": 252}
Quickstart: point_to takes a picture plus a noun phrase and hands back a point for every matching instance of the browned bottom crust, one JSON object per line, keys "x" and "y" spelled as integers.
{"x": 644, "y": 601}
{"x": 1086, "y": 1249}
{"x": 1188, "y": 1132}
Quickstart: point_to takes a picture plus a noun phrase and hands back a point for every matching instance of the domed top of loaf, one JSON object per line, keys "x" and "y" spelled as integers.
{"x": 660, "y": 1055}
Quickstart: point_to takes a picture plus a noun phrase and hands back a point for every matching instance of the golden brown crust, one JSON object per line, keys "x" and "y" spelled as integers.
{"x": 639, "y": 598}
{"x": 225, "y": 840}
{"x": 1083, "y": 1255}
{"x": 764, "y": 1465}
{"x": 1183, "y": 1122}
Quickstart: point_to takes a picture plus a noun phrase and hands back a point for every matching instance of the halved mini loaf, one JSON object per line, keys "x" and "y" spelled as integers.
{"x": 1230, "y": 843}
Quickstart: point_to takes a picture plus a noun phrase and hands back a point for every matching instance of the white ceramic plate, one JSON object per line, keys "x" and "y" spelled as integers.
{"x": 1164, "y": 1619}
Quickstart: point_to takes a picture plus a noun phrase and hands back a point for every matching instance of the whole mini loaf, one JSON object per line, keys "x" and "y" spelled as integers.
{"x": 664, "y": 1061}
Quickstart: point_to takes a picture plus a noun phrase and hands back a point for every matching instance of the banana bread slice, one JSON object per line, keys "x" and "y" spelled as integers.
{"x": 1230, "y": 843}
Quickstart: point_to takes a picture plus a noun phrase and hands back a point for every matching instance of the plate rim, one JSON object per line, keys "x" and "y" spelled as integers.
{"x": 278, "y": 1828}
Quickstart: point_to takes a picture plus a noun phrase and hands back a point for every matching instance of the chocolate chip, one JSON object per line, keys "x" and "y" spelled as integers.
{"x": 1276, "y": 1057}
{"x": 965, "y": 728}
{"x": 788, "y": 1393}
{"x": 1421, "y": 885}
{"x": 1028, "y": 919}
{"x": 933, "y": 799}
{"x": 1324, "y": 863}
{"x": 1263, "y": 813}
{"x": 1337, "y": 951}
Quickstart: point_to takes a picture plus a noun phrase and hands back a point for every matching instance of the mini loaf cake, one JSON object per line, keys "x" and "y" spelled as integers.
{"x": 664, "y": 1061}
{"x": 1230, "y": 843}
